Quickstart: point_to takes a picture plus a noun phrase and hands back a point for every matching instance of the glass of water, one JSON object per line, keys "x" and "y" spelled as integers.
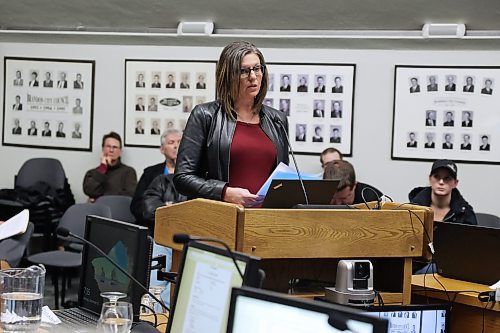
{"x": 21, "y": 298}
{"x": 116, "y": 317}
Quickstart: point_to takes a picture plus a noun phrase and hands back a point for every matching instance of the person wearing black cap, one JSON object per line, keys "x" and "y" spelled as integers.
{"x": 443, "y": 196}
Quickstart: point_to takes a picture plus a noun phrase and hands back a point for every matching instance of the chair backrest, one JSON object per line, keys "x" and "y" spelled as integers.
{"x": 12, "y": 249}
{"x": 119, "y": 205}
{"x": 488, "y": 220}
{"x": 74, "y": 218}
{"x": 48, "y": 170}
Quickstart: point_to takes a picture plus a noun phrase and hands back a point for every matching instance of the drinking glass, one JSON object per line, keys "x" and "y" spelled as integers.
{"x": 21, "y": 298}
{"x": 116, "y": 317}
{"x": 113, "y": 296}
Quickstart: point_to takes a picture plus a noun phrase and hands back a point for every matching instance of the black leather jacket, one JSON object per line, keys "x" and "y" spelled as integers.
{"x": 160, "y": 191}
{"x": 202, "y": 168}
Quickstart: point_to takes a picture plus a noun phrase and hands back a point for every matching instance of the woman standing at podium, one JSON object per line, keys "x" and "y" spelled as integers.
{"x": 230, "y": 146}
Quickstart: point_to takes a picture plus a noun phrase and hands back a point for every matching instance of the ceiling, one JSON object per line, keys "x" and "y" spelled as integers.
{"x": 141, "y": 21}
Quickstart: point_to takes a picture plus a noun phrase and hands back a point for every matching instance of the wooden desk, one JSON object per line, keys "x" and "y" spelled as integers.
{"x": 467, "y": 311}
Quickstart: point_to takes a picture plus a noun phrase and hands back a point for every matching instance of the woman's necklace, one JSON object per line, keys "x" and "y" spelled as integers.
{"x": 240, "y": 118}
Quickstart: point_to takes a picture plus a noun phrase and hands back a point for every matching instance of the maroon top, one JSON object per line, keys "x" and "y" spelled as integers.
{"x": 252, "y": 157}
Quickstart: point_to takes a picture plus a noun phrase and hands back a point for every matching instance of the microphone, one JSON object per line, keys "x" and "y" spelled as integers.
{"x": 338, "y": 321}
{"x": 61, "y": 231}
{"x": 278, "y": 121}
{"x": 185, "y": 238}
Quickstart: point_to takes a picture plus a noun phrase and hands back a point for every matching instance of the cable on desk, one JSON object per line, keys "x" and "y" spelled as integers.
{"x": 152, "y": 311}
{"x": 484, "y": 311}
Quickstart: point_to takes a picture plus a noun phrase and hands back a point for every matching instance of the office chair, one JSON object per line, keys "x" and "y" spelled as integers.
{"x": 119, "y": 205}
{"x": 12, "y": 249}
{"x": 45, "y": 174}
{"x": 74, "y": 220}
{"x": 488, "y": 220}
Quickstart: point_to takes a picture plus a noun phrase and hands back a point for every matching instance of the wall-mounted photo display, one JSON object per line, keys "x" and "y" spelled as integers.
{"x": 48, "y": 103}
{"x": 160, "y": 94}
{"x": 319, "y": 102}
{"x": 447, "y": 112}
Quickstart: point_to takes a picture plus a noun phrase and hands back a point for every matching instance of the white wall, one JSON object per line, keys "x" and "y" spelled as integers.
{"x": 372, "y": 114}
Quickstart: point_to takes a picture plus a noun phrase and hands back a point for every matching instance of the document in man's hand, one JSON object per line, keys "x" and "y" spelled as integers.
{"x": 283, "y": 171}
{"x": 15, "y": 225}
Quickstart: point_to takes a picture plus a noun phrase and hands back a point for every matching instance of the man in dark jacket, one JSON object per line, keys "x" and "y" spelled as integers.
{"x": 349, "y": 191}
{"x": 443, "y": 196}
{"x": 169, "y": 143}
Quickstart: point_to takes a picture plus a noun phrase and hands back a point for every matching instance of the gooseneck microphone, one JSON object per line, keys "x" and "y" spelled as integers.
{"x": 65, "y": 233}
{"x": 185, "y": 238}
{"x": 278, "y": 121}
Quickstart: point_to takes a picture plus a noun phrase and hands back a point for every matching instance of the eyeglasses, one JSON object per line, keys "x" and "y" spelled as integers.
{"x": 257, "y": 69}
{"x": 111, "y": 147}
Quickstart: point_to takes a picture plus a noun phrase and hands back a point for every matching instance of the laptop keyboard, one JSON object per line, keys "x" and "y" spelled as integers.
{"x": 77, "y": 320}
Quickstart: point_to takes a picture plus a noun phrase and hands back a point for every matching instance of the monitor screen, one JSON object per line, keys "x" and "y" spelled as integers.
{"x": 259, "y": 311}
{"x": 414, "y": 318}
{"x": 129, "y": 246}
{"x": 203, "y": 290}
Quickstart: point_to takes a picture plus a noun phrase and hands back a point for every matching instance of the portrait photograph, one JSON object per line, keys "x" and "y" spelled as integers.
{"x": 285, "y": 106}
{"x": 414, "y": 85}
{"x": 467, "y": 118}
{"x": 140, "y": 83}
{"x": 156, "y": 80}
{"x": 201, "y": 84}
{"x": 430, "y": 118}
{"x": 301, "y": 132}
{"x": 42, "y": 101}
{"x": 430, "y": 140}
{"x": 468, "y": 84}
{"x": 335, "y": 134}
{"x": 487, "y": 87}
{"x": 412, "y": 140}
{"x": 318, "y": 133}
{"x": 319, "y": 86}
{"x": 337, "y": 87}
{"x": 302, "y": 83}
{"x": 285, "y": 82}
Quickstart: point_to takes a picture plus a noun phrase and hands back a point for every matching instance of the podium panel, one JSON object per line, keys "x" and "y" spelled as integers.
{"x": 307, "y": 243}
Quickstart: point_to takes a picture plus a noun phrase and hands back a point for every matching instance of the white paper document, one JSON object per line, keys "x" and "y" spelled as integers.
{"x": 15, "y": 225}
{"x": 284, "y": 171}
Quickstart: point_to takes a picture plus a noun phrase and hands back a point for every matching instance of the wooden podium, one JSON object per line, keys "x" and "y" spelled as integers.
{"x": 308, "y": 243}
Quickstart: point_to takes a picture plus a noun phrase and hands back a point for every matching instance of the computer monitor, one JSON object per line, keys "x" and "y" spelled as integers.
{"x": 128, "y": 245}
{"x": 259, "y": 311}
{"x": 414, "y": 318}
{"x": 202, "y": 294}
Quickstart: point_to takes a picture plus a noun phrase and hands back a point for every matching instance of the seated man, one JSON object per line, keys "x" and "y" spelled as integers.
{"x": 443, "y": 196}
{"x": 156, "y": 189}
{"x": 111, "y": 177}
{"x": 349, "y": 191}
{"x": 330, "y": 154}
{"x": 169, "y": 143}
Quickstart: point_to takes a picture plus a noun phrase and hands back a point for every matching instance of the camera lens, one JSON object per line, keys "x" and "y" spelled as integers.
{"x": 361, "y": 270}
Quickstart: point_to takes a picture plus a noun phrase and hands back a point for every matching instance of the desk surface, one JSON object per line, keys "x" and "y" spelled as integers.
{"x": 459, "y": 291}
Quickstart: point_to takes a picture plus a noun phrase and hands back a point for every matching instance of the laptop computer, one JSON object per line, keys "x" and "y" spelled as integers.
{"x": 261, "y": 311}
{"x": 127, "y": 244}
{"x": 203, "y": 289}
{"x": 286, "y": 193}
{"x": 429, "y": 318}
{"x": 467, "y": 252}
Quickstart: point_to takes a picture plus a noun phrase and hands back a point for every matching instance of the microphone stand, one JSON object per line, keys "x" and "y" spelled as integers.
{"x": 185, "y": 238}
{"x": 280, "y": 123}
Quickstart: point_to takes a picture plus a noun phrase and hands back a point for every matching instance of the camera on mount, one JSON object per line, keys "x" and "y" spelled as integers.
{"x": 354, "y": 283}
